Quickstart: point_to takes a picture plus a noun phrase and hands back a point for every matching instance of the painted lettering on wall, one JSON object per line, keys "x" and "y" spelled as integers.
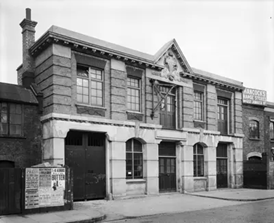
{"x": 254, "y": 96}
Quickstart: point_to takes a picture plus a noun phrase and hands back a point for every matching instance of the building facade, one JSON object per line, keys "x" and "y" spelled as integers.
{"x": 129, "y": 123}
{"x": 269, "y": 143}
{"x": 254, "y": 102}
{"x": 20, "y": 127}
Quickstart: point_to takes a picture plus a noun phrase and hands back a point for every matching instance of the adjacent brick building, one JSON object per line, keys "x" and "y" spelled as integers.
{"x": 269, "y": 142}
{"x": 258, "y": 142}
{"x": 254, "y": 131}
{"x": 130, "y": 123}
{"x": 20, "y": 127}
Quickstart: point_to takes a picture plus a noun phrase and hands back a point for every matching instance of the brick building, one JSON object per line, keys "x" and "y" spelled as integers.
{"x": 269, "y": 142}
{"x": 130, "y": 123}
{"x": 253, "y": 124}
{"x": 20, "y": 127}
{"x": 258, "y": 142}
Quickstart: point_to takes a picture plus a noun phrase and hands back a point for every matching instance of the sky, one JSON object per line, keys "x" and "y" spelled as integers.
{"x": 231, "y": 38}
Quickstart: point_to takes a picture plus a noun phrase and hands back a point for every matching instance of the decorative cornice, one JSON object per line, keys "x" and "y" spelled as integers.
{"x": 50, "y": 37}
{"x": 209, "y": 80}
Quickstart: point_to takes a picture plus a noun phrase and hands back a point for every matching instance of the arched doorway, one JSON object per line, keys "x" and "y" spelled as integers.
{"x": 6, "y": 164}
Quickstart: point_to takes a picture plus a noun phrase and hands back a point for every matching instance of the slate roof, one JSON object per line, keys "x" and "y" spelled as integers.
{"x": 16, "y": 93}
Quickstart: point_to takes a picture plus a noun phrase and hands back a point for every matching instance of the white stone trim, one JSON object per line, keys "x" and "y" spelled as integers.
{"x": 94, "y": 119}
{"x": 257, "y": 154}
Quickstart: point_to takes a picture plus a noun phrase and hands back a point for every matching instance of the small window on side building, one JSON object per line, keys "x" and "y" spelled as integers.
{"x": 11, "y": 121}
{"x": 271, "y": 130}
{"x": 254, "y": 129}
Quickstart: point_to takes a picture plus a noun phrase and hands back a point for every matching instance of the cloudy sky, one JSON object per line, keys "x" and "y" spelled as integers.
{"x": 232, "y": 38}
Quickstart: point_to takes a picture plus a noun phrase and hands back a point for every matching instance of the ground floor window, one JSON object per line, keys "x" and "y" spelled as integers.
{"x": 134, "y": 159}
{"x": 198, "y": 160}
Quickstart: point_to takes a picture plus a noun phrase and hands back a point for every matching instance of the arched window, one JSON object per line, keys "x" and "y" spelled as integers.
{"x": 254, "y": 129}
{"x": 198, "y": 160}
{"x": 134, "y": 159}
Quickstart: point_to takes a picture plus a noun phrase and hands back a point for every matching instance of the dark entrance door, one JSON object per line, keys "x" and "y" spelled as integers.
{"x": 167, "y": 167}
{"x": 221, "y": 155}
{"x": 10, "y": 190}
{"x": 85, "y": 154}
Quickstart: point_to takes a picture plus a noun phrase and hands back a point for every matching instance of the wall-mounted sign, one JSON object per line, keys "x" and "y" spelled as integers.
{"x": 44, "y": 187}
{"x": 254, "y": 96}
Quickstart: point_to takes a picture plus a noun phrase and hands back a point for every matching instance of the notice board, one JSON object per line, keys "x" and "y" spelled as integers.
{"x": 44, "y": 187}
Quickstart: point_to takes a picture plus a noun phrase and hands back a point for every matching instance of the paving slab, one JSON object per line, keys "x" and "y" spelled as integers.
{"x": 79, "y": 215}
{"x": 241, "y": 194}
{"x": 98, "y": 210}
{"x": 152, "y": 205}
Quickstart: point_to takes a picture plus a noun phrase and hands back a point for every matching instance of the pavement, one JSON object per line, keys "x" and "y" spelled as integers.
{"x": 170, "y": 203}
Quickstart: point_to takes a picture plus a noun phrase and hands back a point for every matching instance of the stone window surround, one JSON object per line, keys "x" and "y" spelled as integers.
{"x": 95, "y": 62}
{"x": 201, "y": 89}
{"x": 228, "y": 95}
{"x": 135, "y": 72}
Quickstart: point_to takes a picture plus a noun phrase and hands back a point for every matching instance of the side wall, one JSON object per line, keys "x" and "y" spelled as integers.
{"x": 24, "y": 151}
{"x": 253, "y": 145}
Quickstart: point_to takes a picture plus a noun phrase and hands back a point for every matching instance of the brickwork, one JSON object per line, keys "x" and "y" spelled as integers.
{"x": 269, "y": 144}
{"x": 56, "y": 77}
{"x": 24, "y": 151}
{"x": 253, "y": 145}
{"x": 19, "y": 74}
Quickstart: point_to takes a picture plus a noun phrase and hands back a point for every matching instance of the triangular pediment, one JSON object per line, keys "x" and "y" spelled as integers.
{"x": 172, "y": 59}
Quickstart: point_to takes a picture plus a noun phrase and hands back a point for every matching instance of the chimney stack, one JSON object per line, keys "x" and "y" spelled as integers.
{"x": 28, "y": 37}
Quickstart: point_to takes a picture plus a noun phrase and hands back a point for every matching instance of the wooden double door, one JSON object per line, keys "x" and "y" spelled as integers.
{"x": 167, "y": 167}
{"x": 85, "y": 155}
{"x": 221, "y": 162}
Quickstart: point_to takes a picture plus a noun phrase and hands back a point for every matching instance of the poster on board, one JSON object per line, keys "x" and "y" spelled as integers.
{"x": 44, "y": 187}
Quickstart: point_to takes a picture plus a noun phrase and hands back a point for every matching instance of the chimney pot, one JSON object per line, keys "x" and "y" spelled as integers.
{"x": 28, "y": 13}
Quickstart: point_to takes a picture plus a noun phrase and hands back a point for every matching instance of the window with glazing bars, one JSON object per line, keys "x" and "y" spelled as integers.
{"x": 254, "y": 132}
{"x": 11, "y": 122}
{"x": 133, "y": 94}
{"x": 198, "y": 160}
{"x": 223, "y": 109}
{"x": 89, "y": 86}
{"x": 198, "y": 105}
{"x": 134, "y": 159}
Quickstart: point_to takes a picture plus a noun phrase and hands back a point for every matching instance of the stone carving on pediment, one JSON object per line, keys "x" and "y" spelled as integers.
{"x": 170, "y": 71}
